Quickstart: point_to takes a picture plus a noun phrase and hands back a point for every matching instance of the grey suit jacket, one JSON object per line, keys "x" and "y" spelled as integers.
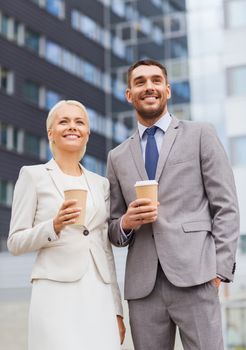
{"x": 196, "y": 233}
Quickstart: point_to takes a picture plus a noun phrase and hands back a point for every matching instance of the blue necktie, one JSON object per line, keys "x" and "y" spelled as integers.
{"x": 151, "y": 153}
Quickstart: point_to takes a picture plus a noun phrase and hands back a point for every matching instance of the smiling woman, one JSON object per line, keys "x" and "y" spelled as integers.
{"x": 75, "y": 292}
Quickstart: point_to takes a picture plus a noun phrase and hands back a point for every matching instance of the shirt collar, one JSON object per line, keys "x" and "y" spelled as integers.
{"x": 162, "y": 123}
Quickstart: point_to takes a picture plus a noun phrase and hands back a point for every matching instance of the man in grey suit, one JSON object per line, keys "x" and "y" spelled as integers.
{"x": 178, "y": 253}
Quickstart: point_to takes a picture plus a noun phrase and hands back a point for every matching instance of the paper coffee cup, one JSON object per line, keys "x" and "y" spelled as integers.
{"x": 81, "y": 196}
{"x": 147, "y": 189}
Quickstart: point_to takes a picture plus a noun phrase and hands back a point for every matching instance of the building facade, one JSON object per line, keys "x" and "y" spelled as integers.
{"x": 60, "y": 49}
{"x": 50, "y": 50}
{"x": 216, "y": 32}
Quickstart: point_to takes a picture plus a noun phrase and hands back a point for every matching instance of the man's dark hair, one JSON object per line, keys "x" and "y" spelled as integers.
{"x": 146, "y": 62}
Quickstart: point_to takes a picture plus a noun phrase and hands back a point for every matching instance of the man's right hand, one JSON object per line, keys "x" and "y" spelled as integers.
{"x": 139, "y": 212}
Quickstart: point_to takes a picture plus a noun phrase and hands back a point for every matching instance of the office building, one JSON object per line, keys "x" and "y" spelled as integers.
{"x": 60, "y": 49}
{"x": 216, "y": 32}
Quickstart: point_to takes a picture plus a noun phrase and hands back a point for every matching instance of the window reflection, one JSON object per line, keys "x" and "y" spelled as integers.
{"x": 235, "y": 13}
{"x": 32, "y": 144}
{"x": 236, "y": 81}
{"x": 31, "y": 92}
{"x": 238, "y": 150}
{"x": 53, "y": 53}
{"x": 32, "y": 40}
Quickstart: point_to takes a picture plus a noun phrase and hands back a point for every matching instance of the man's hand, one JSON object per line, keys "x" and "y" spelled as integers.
{"x": 122, "y": 328}
{"x": 216, "y": 281}
{"x": 139, "y": 212}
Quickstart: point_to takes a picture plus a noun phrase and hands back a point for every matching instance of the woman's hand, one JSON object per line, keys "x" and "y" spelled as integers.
{"x": 66, "y": 215}
{"x": 122, "y": 328}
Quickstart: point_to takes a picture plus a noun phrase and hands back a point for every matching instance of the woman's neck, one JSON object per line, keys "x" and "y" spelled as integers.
{"x": 69, "y": 164}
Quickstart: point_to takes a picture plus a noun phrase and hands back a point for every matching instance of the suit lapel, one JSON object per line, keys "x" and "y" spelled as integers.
{"x": 92, "y": 186}
{"x": 167, "y": 143}
{"x": 137, "y": 156}
{"x": 55, "y": 173}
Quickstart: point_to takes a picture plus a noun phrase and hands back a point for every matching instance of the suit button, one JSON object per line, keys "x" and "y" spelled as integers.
{"x": 152, "y": 235}
{"x": 85, "y": 232}
{"x": 49, "y": 239}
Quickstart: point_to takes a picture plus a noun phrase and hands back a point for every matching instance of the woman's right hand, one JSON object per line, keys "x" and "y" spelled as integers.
{"x": 66, "y": 215}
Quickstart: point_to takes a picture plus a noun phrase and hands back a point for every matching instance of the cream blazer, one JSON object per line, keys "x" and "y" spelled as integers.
{"x": 38, "y": 195}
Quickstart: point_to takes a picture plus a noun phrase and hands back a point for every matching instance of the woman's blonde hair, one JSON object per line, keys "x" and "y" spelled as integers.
{"x": 53, "y": 114}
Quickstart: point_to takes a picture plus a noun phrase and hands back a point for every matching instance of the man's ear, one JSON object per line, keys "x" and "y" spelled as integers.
{"x": 128, "y": 95}
{"x": 169, "y": 91}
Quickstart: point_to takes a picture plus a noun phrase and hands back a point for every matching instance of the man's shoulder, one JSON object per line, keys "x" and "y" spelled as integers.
{"x": 124, "y": 146}
{"x": 190, "y": 126}
{"x": 194, "y": 124}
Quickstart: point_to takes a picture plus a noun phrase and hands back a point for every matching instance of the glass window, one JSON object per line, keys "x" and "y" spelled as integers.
{"x": 32, "y": 40}
{"x": 89, "y": 73}
{"x": 3, "y": 192}
{"x": 15, "y": 139}
{"x": 178, "y": 47}
{"x": 157, "y": 35}
{"x": 55, "y": 7}
{"x": 16, "y": 31}
{"x": 238, "y": 150}
{"x": 120, "y": 132}
{"x": 145, "y": 25}
{"x": 3, "y": 134}
{"x": 4, "y": 25}
{"x": 180, "y": 92}
{"x": 51, "y": 98}
{"x": 4, "y": 79}
{"x": 32, "y": 144}
{"x": 118, "y": 47}
{"x": 93, "y": 164}
{"x": 75, "y": 19}
{"x": 157, "y": 3}
{"x": 53, "y": 53}
{"x": 235, "y": 327}
{"x": 31, "y": 92}
{"x": 88, "y": 27}
{"x": 235, "y": 13}
{"x": 131, "y": 13}
{"x": 243, "y": 244}
{"x": 175, "y": 24}
{"x": 118, "y": 7}
{"x": 236, "y": 81}
{"x": 119, "y": 89}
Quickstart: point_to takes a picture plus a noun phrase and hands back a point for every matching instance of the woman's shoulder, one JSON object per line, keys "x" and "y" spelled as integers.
{"x": 32, "y": 170}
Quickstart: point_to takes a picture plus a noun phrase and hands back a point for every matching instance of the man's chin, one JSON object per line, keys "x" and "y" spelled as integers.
{"x": 149, "y": 113}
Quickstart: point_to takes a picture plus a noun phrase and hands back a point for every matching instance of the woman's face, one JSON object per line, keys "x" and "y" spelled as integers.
{"x": 70, "y": 130}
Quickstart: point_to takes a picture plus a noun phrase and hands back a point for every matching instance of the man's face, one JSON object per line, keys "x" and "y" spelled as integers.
{"x": 148, "y": 93}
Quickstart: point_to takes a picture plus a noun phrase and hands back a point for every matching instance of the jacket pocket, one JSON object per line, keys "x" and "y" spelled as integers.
{"x": 196, "y": 226}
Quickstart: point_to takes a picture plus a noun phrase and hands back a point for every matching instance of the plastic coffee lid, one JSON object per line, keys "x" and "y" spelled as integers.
{"x": 146, "y": 183}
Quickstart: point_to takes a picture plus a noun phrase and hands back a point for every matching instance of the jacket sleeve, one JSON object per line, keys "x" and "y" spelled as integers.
{"x": 110, "y": 259}
{"x": 221, "y": 192}
{"x": 117, "y": 208}
{"x": 23, "y": 235}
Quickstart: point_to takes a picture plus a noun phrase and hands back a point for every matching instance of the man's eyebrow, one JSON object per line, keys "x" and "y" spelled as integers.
{"x": 152, "y": 76}
{"x": 139, "y": 77}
